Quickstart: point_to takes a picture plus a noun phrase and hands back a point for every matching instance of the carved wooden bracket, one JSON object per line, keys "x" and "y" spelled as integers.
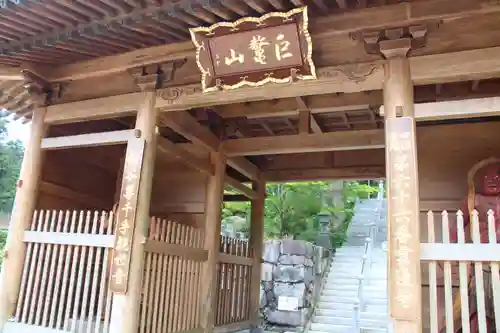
{"x": 155, "y": 76}
{"x": 39, "y": 90}
{"x": 381, "y": 41}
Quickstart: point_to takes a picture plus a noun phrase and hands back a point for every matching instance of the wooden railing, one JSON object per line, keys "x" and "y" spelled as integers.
{"x": 234, "y": 273}
{"x": 174, "y": 256}
{"x": 64, "y": 284}
{"x": 463, "y": 273}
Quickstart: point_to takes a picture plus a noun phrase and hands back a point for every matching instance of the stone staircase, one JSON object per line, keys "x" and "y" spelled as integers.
{"x": 335, "y": 311}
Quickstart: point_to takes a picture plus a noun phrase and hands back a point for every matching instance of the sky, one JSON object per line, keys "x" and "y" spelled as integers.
{"x": 18, "y": 131}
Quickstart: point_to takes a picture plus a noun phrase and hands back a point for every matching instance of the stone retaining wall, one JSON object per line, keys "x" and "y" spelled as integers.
{"x": 291, "y": 277}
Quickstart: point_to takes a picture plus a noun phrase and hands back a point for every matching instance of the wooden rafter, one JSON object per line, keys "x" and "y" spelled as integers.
{"x": 346, "y": 140}
{"x": 402, "y": 14}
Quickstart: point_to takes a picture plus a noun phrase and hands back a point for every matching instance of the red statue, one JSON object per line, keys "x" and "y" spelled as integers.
{"x": 483, "y": 196}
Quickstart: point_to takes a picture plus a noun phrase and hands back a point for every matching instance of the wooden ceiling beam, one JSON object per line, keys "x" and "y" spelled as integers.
{"x": 286, "y": 144}
{"x": 245, "y": 167}
{"x": 316, "y": 174}
{"x": 187, "y": 126}
{"x": 401, "y": 14}
{"x": 241, "y": 188}
{"x": 468, "y": 108}
{"x": 431, "y": 69}
{"x": 169, "y": 148}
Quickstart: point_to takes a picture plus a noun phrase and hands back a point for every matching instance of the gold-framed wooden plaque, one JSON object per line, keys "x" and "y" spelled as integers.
{"x": 253, "y": 51}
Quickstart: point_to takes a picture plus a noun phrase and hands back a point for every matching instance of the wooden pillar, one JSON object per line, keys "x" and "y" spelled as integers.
{"x": 125, "y": 312}
{"x": 405, "y": 304}
{"x": 256, "y": 244}
{"x": 213, "y": 211}
{"x": 26, "y": 196}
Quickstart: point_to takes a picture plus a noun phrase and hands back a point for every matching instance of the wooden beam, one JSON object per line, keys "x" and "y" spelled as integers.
{"x": 187, "y": 126}
{"x": 397, "y": 15}
{"x": 67, "y": 193}
{"x": 99, "y": 108}
{"x": 245, "y": 167}
{"x": 345, "y": 140}
{"x": 213, "y": 204}
{"x": 238, "y": 186}
{"x": 315, "y": 126}
{"x": 342, "y": 3}
{"x": 304, "y": 122}
{"x": 88, "y": 140}
{"x": 235, "y": 198}
{"x": 22, "y": 214}
{"x": 280, "y": 176}
{"x": 467, "y": 108}
{"x": 234, "y": 259}
{"x": 351, "y": 79}
{"x": 10, "y": 74}
{"x": 117, "y": 63}
{"x": 256, "y": 244}
{"x": 337, "y": 79}
{"x": 288, "y": 106}
{"x": 457, "y": 66}
{"x": 168, "y": 147}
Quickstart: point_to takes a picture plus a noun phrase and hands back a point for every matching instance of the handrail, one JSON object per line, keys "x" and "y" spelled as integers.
{"x": 367, "y": 262}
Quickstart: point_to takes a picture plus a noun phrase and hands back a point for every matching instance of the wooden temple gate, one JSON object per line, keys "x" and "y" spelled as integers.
{"x": 133, "y": 243}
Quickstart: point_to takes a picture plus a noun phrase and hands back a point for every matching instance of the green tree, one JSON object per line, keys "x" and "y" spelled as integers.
{"x": 291, "y": 210}
{"x": 11, "y": 153}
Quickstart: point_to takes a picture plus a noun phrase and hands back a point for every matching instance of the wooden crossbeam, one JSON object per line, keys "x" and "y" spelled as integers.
{"x": 245, "y": 167}
{"x": 345, "y": 140}
{"x": 468, "y": 108}
{"x": 238, "y": 186}
{"x": 168, "y": 147}
{"x": 187, "y": 126}
{"x": 315, "y": 174}
{"x": 88, "y": 140}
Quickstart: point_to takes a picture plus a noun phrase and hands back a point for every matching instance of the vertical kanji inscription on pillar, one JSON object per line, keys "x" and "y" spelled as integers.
{"x": 404, "y": 231}
{"x": 125, "y": 216}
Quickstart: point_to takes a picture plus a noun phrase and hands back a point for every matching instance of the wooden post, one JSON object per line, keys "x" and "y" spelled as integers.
{"x": 256, "y": 244}
{"x": 125, "y": 312}
{"x": 26, "y": 196}
{"x": 213, "y": 210}
{"x": 405, "y": 304}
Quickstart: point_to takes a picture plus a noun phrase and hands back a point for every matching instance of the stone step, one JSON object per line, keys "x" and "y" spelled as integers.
{"x": 367, "y": 294}
{"x": 352, "y": 286}
{"x": 349, "y": 314}
{"x": 348, "y": 329}
{"x": 351, "y": 300}
{"x": 364, "y": 322}
{"x": 342, "y": 329}
{"x": 367, "y": 308}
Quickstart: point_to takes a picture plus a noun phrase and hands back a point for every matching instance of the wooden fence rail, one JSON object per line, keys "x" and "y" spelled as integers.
{"x": 173, "y": 264}
{"x": 234, "y": 273}
{"x": 463, "y": 272}
{"x": 64, "y": 283}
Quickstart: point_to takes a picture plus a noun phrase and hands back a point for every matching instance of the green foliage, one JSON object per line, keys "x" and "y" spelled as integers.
{"x": 292, "y": 210}
{"x": 11, "y": 153}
